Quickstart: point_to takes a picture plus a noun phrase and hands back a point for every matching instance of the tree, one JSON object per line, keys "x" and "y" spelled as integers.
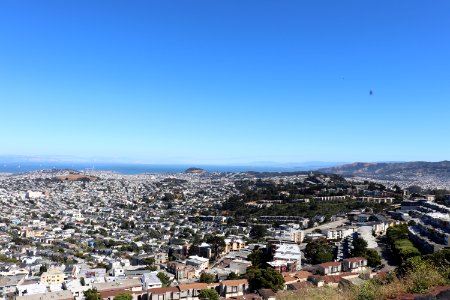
{"x": 319, "y": 251}
{"x": 207, "y": 278}
{"x": 359, "y": 247}
{"x": 208, "y": 294}
{"x": 101, "y": 265}
{"x": 42, "y": 269}
{"x": 168, "y": 197}
{"x": 92, "y": 294}
{"x": 255, "y": 258}
{"x": 149, "y": 262}
{"x": 258, "y": 258}
{"x": 123, "y": 296}
{"x": 232, "y": 276}
{"x": 258, "y": 232}
{"x": 265, "y": 278}
{"x": 6, "y": 259}
{"x": 373, "y": 258}
{"x": 360, "y": 250}
{"x": 165, "y": 280}
{"x": 323, "y": 256}
{"x": 217, "y": 244}
{"x": 397, "y": 232}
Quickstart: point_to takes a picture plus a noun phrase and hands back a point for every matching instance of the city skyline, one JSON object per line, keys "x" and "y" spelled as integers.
{"x": 225, "y": 83}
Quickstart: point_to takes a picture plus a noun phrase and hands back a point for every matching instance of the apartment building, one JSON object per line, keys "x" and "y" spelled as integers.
{"x": 53, "y": 276}
{"x": 354, "y": 264}
{"x": 330, "y": 268}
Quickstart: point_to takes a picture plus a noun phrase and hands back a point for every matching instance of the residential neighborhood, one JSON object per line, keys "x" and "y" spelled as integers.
{"x": 65, "y": 234}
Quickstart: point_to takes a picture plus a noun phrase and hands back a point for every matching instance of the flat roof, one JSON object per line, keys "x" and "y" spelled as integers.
{"x": 59, "y": 295}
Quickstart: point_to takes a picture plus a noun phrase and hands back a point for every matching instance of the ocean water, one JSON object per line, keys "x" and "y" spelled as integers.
{"x": 128, "y": 169}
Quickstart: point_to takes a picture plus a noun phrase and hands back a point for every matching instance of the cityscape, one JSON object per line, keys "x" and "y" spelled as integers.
{"x": 224, "y": 150}
{"x": 173, "y": 235}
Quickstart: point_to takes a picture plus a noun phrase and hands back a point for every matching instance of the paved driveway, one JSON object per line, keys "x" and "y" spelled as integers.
{"x": 387, "y": 257}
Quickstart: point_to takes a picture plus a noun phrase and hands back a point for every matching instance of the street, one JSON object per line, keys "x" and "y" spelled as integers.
{"x": 327, "y": 225}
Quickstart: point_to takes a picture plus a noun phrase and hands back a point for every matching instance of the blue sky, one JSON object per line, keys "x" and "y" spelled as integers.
{"x": 226, "y": 81}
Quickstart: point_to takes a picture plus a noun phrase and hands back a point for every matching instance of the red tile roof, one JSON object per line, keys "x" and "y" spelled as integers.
{"x": 330, "y": 264}
{"x": 300, "y": 285}
{"x": 197, "y": 286}
{"x": 163, "y": 290}
{"x": 355, "y": 259}
{"x": 302, "y": 274}
{"x": 337, "y": 278}
{"x": 267, "y": 293}
{"x": 246, "y": 297}
{"x": 234, "y": 282}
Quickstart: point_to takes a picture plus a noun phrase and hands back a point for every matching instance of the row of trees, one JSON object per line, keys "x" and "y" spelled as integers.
{"x": 236, "y": 205}
{"x": 400, "y": 244}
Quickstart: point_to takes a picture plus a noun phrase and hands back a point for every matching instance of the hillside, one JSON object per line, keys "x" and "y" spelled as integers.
{"x": 75, "y": 177}
{"x": 403, "y": 171}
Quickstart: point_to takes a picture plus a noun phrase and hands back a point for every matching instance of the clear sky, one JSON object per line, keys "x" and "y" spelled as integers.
{"x": 226, "y": 81}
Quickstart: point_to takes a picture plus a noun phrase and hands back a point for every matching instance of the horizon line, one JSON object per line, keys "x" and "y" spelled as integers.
{"x": 60, "y": 159}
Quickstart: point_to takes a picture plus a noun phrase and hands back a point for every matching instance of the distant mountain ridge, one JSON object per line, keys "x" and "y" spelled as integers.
{"x": 386, "y": 170}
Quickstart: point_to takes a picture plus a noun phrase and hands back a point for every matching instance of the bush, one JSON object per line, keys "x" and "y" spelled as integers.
{"x": 92, "y": 294}
{"x": 208, "y": 294}
{"x": 232, "y": 276}
{"x": 265, "y": 278}
{"x": 373, "y": 258}
{"x": 415, "y": 275}
{"x": 368, "y": 291}
{"x": 421, "y": 275}
{"x": 207, "y": 278}
{"x": 165, "y": 280}
{"x": 4, "y": 258}
{"x": 123, "y": 296}
{"x": 441, "y": 261}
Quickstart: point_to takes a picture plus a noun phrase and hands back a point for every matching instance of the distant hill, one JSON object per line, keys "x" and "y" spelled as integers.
{"x": 310, "y": 174}
{"x": 195, "y": 171}
{"x": 75, "y": 177}
{"x": 438, "y": 171}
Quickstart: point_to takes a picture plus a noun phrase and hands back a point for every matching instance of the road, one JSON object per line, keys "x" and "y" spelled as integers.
{"x": 387, "y": 257}
{"x": 333, "y": 224}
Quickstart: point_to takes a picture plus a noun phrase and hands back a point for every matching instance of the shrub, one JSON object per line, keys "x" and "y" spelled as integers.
{"x": 368, "y": 291}
{"x": 422, "y": 275}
